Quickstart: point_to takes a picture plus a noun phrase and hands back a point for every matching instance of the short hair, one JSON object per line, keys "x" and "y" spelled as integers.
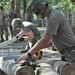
{"x": 72, "y": 0}
{"x": 16, "y": 22}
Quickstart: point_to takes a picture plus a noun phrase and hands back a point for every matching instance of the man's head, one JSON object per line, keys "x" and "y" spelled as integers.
{"x": 73, "y": 2}
{"x": 16, "y": 23}
{"x": 39, "y": 7}
{"x": 27, "y": 9}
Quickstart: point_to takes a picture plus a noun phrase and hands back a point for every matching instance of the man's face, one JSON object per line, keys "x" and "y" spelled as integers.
{"x": 73, "y": 3}
{"x": 16, "y": 26}
{"x": 38, "y": 13}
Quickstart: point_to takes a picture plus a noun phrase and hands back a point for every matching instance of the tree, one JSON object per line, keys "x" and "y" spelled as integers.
{"x": 12, "y": 3}
{"x": 17, "y": 7}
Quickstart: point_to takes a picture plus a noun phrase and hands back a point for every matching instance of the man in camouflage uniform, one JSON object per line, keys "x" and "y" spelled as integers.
{"x": 29, "y": 32}
{"x": 3, "y": 25}
{"x": 28, "y": 15}
{"x": 57, "y": 32}
{"x": 11, "y": 16}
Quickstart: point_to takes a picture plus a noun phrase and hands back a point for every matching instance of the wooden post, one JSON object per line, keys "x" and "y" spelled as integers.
{"x": 45, "y": 69}
{"x": 64, "y": 68}
{"x": 11, "y": 68}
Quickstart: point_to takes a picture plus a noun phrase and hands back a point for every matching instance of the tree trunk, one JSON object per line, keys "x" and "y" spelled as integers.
{"x": 17, "y": 7}
{"x": 12, "y": 3}
{"x": 24, "y": 5}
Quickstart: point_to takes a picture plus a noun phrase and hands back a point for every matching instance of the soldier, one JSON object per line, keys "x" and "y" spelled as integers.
{"x": 58, "y": 32}
{"x": 28, "y": 15}
{"x": 3, "y": 25}
{"x": 29, "y": 32}
{"x": 11, "y": 16}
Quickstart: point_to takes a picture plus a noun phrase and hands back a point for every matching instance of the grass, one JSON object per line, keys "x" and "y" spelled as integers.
{"x": 41, "y": 28}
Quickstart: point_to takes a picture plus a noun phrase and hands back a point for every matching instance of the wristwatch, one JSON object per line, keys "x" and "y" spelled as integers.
{"x": 29, "y": 55}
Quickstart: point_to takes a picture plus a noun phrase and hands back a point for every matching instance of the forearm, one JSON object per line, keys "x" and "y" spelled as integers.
{"x": 38, "y": 46}
{"x": 20, "y": 33}
{"x": 48, "y": 44}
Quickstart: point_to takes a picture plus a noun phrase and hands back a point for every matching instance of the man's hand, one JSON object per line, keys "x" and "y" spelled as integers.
{"x": 20, "y": 38}
{"x": 23, "y": 57}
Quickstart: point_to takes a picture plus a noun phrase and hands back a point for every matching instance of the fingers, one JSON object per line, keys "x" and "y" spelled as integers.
{"x": 19, "y": 60}
{"x": 22, "y": 58}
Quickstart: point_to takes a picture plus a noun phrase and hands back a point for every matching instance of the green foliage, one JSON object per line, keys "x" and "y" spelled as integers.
{"x": 61, "y": 5}
{"x": 55, "y": 4}
{"x": 6, "y": 4}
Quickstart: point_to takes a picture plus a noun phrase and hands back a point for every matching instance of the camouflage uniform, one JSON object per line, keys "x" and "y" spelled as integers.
{"x": 27, "y": 27}
{"x": 62, "y": 36}
{"x": 37, "y": 36}
{"x": 28, "y": 15}
{"x": 11, "y": 16}
{"x": 73, "y": 22}
{"x": 3, "y": 25}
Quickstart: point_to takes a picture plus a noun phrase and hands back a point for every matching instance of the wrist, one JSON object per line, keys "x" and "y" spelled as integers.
{"x": 30, "y": 57}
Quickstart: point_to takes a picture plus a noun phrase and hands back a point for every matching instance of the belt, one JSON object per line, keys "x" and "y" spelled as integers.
{"x": 68, "y": 49}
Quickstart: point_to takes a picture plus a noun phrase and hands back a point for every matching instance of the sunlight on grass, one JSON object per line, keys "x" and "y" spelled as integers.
{"x": 41, "y": 28}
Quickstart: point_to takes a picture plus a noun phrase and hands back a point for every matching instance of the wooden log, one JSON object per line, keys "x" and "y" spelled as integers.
{"x": 64, "y": 68}
{"x": 2, "y": 72}
{"x": 68, "y": 70}
{"x": 60, "y": 65}
{"x": 45, "y": 69}
{"x": 24, "y": 70}
{"x": 7, "y": 66}
{"x": 11, "y": 68}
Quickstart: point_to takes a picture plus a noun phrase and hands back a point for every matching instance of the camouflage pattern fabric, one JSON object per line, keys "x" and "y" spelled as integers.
{"x": 11, "y": 16}
{"x": 3, "y": 26}
{"x": 28, "y": 15}
{"x": 70, "y": 57}
{"x": 73, "y": 22}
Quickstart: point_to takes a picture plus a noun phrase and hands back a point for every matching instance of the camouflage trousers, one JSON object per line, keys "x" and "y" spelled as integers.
{"x": 3, "y": 31}
{"x": 32, "y": 42}
{"x": 70, "y": 55}
{"x": 73, "y": 29}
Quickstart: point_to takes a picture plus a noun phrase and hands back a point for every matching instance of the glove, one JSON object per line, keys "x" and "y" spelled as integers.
{"x": 38, "y": 55}
{"x": 19, "y": 38}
